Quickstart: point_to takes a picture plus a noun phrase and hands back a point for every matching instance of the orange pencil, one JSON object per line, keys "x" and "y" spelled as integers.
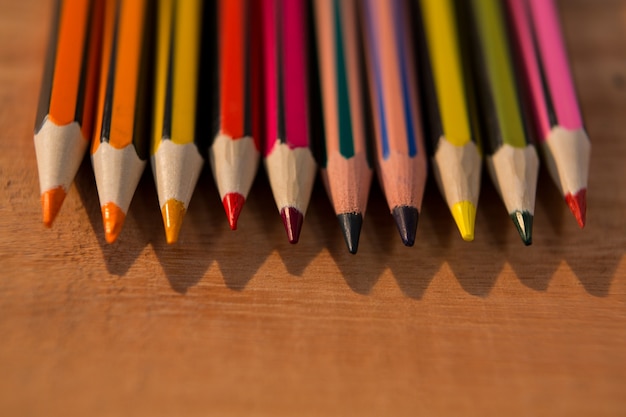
{"x": 65, "y": 114}
{"x": 120, "y": 147}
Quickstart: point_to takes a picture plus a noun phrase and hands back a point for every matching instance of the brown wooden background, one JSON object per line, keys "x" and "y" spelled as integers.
{"x": 244, "y": 324}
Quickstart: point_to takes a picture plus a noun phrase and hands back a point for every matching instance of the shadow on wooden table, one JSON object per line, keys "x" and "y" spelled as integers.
{"x": 206, "y": 239}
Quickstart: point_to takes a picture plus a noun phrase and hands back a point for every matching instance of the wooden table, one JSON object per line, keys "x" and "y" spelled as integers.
{"x": 242, "y": 323}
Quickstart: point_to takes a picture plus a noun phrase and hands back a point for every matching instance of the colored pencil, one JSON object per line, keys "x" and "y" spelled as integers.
{"x": 234, "y": 153}
{"x": 552, "y": 99}
{"x": 455, "y": 155}
{"x": 176, "y": 159}
{"x": 288, "y": 159}
{"x": 346, "y": 172}
{"x": 64, "y": 122}
{"x": 392, "y": 72}
{"x": 511, "y": 158}
{"x": 120, "y": 147}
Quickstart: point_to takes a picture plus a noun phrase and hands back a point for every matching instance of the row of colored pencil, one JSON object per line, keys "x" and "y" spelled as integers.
{"x": 343, "y": 84}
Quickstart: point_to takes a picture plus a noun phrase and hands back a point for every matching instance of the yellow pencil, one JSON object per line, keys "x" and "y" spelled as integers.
{"x": 454, "y": 151}
{"x": 176, "y": 160}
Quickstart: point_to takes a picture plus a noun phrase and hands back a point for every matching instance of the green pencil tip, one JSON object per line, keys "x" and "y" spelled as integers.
{"x": 524, "y": 222}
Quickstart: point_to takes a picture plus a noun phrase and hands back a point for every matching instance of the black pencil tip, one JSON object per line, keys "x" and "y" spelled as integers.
{"x": 351, "y": 227}
{"x": 524, "y": 222}
{"x": 406, "y": 219}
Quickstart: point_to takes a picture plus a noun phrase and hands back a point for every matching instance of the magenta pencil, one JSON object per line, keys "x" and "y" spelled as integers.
{"x": 288, "y": 159}
{"x": 552, "y": 99}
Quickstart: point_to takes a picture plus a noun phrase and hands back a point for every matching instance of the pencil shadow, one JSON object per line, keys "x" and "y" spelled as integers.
{"x": 186, "y": 262}
{"x": 494, "y": 232}
{"x": 138, "y": 228}
{"x": 548, "y": 232}
{"x": 241, "y": 253}
{"x": 594, "y": 253}
{"x": 373, "y": 243}
{"x": 414, "y": 268}
{"x": 296, "y": 257}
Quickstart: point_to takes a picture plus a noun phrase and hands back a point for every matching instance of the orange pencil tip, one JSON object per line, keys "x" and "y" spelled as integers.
{"x": 173, "y": 212}
{"x": 233, "y": 203}
{"x": 51, "y": 202}
{"x": 577, "y": 204}
{"x": 113, "y": 218}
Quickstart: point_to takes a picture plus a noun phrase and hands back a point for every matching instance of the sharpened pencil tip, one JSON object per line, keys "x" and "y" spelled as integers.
{"x": 577, "y": 204}
{"x": 406, "y": 220}
{"x": 233, "y": 203}
{"x": 51, "y": 202}
{"x": 292, "y": 219}
{"x": 351, "y": 227}
{"x": 173, "y": 212}
{"x": 113, "y": 218}
{"x": 524, "y": 222}
{"x": 464, "y": 213}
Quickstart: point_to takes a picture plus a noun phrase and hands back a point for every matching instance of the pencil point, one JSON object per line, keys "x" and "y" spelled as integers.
{"x": 524, "y": 222}
{"x": 351, "y": 228}
{"x": 233, "y": 203}
{"x": 51, "y": 202}
{"x": 113, "y": 219}
{"x": 578, "y": 206}
{"x": 464, "y": 213}
{"x": 406, "y": 220}
{"x": 173, "y": 212}
{"x": 292, "y": 219}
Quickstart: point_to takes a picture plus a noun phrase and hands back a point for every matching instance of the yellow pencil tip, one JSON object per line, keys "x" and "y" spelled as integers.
{"x": 173, "y": 212}
{"x": 464, "y": 213}
{"x": 51, "y": 202}
{"x": 113, "y": 218}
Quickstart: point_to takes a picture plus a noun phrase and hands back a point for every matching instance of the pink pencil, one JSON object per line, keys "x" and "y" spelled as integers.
{"x": 552, "y": 99}
{"x": 288, "y": 159}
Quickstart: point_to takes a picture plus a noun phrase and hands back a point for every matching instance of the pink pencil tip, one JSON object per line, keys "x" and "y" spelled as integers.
{"x": 292, "y": 219}
{"x": 578, "y": 206}
{"x": 233, "y": 203}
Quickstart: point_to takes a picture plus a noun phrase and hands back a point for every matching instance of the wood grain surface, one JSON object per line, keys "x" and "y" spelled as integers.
{"x": 242, "y": 323}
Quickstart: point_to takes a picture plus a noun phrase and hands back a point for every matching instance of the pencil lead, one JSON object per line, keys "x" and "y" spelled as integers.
{"x": 292, "y": 219}
{"x": 233, "y": 203}
{"x": 406, "y": 220}
{"x": 351, "y": 228}
{"x": 173, "y": 212}
{"x": 51, "y": 202}
{"x": 113, "y": 219}
{"x": 524, "y": 222}
{"x": 577, "y": 204}
{"x": 464, "y": 213}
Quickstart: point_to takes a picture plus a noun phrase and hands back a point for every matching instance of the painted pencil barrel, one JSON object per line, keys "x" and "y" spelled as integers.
{"x": 289, "y": 162}
{"x": 400, "y": 154}
{"x": 176, "y": 159}
{"x": 346, "y": 170}
{"x": 120, "y": 147}
{"x": 64, "y": 122}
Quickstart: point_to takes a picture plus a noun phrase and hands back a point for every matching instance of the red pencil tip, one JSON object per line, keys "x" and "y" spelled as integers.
{"x": 578, "y": 206}
{"x": 233, "y": 203}
{"x": 113, "y": 219}
{"x": 292, "y": 219}
{"x": 51, "y": 201}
